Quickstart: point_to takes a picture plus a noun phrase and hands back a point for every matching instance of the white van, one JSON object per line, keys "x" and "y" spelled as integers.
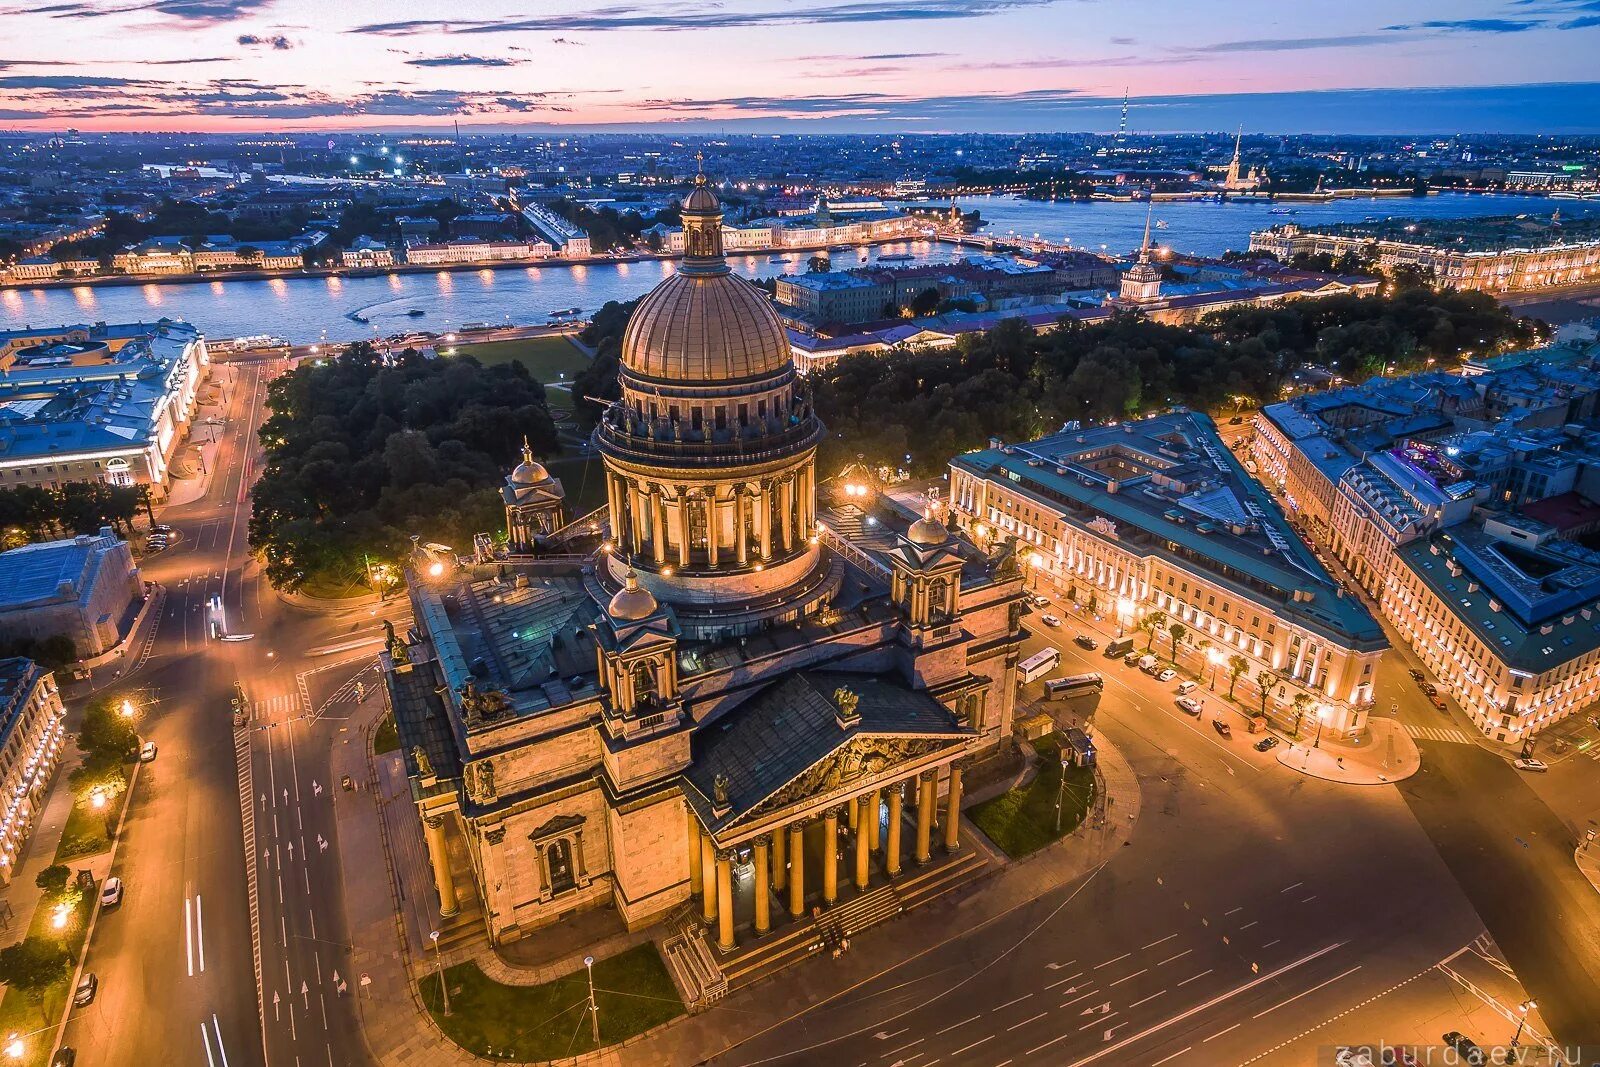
{"x": 1147, "y": 661}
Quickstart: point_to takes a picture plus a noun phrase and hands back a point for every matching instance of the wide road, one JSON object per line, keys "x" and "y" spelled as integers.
{"x": 233, "y": 910}
{"x": 1252, "y": 905}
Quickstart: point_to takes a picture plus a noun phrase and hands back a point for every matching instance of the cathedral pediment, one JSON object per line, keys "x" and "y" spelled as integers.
{"x": 813, "y": 736}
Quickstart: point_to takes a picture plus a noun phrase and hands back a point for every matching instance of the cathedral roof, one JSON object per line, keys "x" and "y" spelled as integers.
{"x": 705, "y": 327}
{"x": 633, "y": 601}
{"x": 787, "y": 741}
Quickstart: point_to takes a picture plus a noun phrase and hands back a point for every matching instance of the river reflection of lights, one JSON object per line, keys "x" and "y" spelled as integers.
{"x": 83, "y": 296}
{"x": 152, "y": 295}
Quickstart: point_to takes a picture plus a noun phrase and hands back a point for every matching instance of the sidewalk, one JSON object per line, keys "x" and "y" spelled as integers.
{"x": 1588, "y": 859}
{"x": 1386, "y": 755}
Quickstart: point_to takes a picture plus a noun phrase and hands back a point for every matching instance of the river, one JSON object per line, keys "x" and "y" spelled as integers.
{"x": 309, "y": 309}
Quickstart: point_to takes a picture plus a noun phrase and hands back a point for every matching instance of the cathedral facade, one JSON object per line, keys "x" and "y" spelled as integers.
{"x": 741, "y": 682}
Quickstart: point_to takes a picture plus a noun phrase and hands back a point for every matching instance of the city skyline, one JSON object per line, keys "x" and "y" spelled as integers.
{"x": 233, "y": 66}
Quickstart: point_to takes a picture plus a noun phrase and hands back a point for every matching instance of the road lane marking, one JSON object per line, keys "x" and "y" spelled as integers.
{"x": 188, "y": 933}
{"x": 964, "y": 1022}
{"x": 1286, "y": 888}
{"x": 199, "y": 935}
{"x": 217, "y": 1026}
{"x": 1202, "y": 974}
{"x": 1108, "y": 963}
{"x": 1146, "y": 1000}
{"x": 1025, "y": 1022}
{"x": 1097, "y": 1021}
{"x": 1008, "y": 1003}
{"x": 1153, "y": 944}
{"x": 1213, "y": 1002}
{"x": 1219, "y": 1033}
{"x": 206, "y": 1041}
{"x": 1064, "y": 981}
{"x": 902, "y": 1048}
{"x": 1307, "y": 992}
{"x": 1248, "y": 925}
{"x": 972, "y": 1046}
{"x": 1179, "y": 956}
{"x": 1075, "y": 1000}
{"x": 1129, "y": 978}
{"x": 1174, "y": 1056}
{"x": 1232, "y": 911}
{"x": 1274, "y": 941}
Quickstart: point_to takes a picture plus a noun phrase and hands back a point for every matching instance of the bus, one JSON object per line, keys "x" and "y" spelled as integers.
{"x": 1076, "y": 686}
{"x": 1039, "y": 663}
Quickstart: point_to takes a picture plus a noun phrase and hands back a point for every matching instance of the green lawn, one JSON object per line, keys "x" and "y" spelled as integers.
{"x": 1024, "y": 820}
{"x": 20, "y": 1015}
{"x": 85, "y": 832}
{"x": 545, "y": 357}
{"x": 543, "y": 1022}
{"x": 333, "y": 587}
{"x": 583, "y": 478}
{"x": 386, "y": 738}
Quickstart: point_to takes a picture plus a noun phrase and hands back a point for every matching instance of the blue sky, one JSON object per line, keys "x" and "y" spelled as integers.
{"x": 1402, "y": 66}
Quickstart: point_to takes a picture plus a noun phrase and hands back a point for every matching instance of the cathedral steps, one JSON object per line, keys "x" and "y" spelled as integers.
{"x": 859, "y": 913}
{"x": 691, "y": 961}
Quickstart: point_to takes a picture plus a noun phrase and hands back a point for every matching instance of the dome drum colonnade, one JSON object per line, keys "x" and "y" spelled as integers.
{"x": 709, "y": 451}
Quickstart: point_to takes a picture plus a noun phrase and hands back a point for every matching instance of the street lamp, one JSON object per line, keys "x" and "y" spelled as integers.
{"x": 14, "y": 1047}
{"x": 1523, "y": 1008}
{"x": 594, "y": 1009}
{"x": 1214, "y": 657}
{"x": 1035, "y": 561}
{"x": 1124, "y": 614}
{"x": 1322, "y": 715}
{"x": 126, "y": 709}
{"x": 438, "y": 959}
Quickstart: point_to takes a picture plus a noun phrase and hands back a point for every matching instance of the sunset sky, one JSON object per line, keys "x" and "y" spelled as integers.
{"x": 803, "y": 65}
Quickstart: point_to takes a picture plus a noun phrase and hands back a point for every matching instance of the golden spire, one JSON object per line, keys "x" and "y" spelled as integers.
{"x": 699, "y": 168}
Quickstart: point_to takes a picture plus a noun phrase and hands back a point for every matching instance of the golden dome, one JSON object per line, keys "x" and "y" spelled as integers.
{"x": 697, "y": 327}
{"x": 633, "y": 601}
{"x": 530, "y": 471}
{"x": 927, "y": 531}
{"x": 702, "y": 199}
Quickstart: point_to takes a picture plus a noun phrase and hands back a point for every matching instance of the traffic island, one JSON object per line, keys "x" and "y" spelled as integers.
{"x": 1387, "y": 754}
{"x": 1023, "y": 820}
{"x": 632, "y": 994}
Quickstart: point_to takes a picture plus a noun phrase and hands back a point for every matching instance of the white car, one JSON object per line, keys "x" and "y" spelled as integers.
{"x": 1187, "y": 685}
{"x": 147, "y": 753}
{"x": 1189, "y": 704}
{"x": 1049, "y": 619}
{"x": 1167, "y": 675}
{"x": 1039, "y": 601}
{"x": 111, "y": 893}
{"x": 1533, "y": 765}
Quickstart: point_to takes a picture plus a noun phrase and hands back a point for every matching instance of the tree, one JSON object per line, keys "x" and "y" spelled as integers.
{"x": 53, "y": 879}
{"x": 1237, "y": 665}
{"x": 33, "y": 965}
{"x": 106, "y": 733}
{"x": 1150, "y": 624}
{"x": 1301, "y": 703}
{"x": 818, "y": 264}
{"x": 926, "y": 302}
{"x": 1266, "y": 680}
{"x": 1176, "y": 632}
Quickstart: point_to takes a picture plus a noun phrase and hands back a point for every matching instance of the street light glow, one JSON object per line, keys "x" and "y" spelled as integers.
{"x": 127, "y": 709}
{"x": 435, "y": 569}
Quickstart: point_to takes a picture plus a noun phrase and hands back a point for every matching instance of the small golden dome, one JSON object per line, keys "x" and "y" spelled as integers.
{"x": 927, "y": 531}
{"x": 530, "y": 471}
{"x": 702, "y": 200}
{"x": 705, "y": 327}
{"x": 633, "y": 601}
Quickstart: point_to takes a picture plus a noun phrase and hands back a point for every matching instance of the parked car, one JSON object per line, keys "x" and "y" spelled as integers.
{"x": 1430, "y": 689}
{"x": 345, "y": 783}
{"x": 147, "y": 752}
{"x": 111, "y": 893}
{"x": 1167, "y": 675}
{"x": 88, "y": 986}
{"x": 1222, "y": 728}
{"x": 1131, "y": 659}
{"x": 161, "y": 527}
{"x": 1038, "y": 601}
{"x": 1049, "y": 619}
{"x": 1267, "y": 744}
{"x": 1085, "y": 641}
{"x": 1416, "y": 675}
{"x": 1187, "y": 685}
{"x": 1188, "y": 704}
{"x": 1437, "y": 701}
{"x": 1466, "y": 1047}
{"x": 1530, "y": 764}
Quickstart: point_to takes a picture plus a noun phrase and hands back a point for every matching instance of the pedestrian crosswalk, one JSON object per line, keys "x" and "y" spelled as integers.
{"x": 1439, "y": 733}
{"x": 282, "y": 704}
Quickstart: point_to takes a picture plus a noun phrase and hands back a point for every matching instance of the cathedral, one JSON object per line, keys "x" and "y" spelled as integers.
{"x": 737, "y": 688}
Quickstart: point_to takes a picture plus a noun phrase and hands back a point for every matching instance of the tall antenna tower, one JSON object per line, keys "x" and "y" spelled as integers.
{"x": 1122, "y": 127}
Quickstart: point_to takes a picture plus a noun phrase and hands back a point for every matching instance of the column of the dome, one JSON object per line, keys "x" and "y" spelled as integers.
{"x": 713, "y": 535}
{"x": 764, "y": 519}
{"x": 658, "y": 525}
{"x": 786, "y": 513}
{"x": 683, "y": 527}
{"x": 741, "y": 546}
{"x": 637, "y": 518}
